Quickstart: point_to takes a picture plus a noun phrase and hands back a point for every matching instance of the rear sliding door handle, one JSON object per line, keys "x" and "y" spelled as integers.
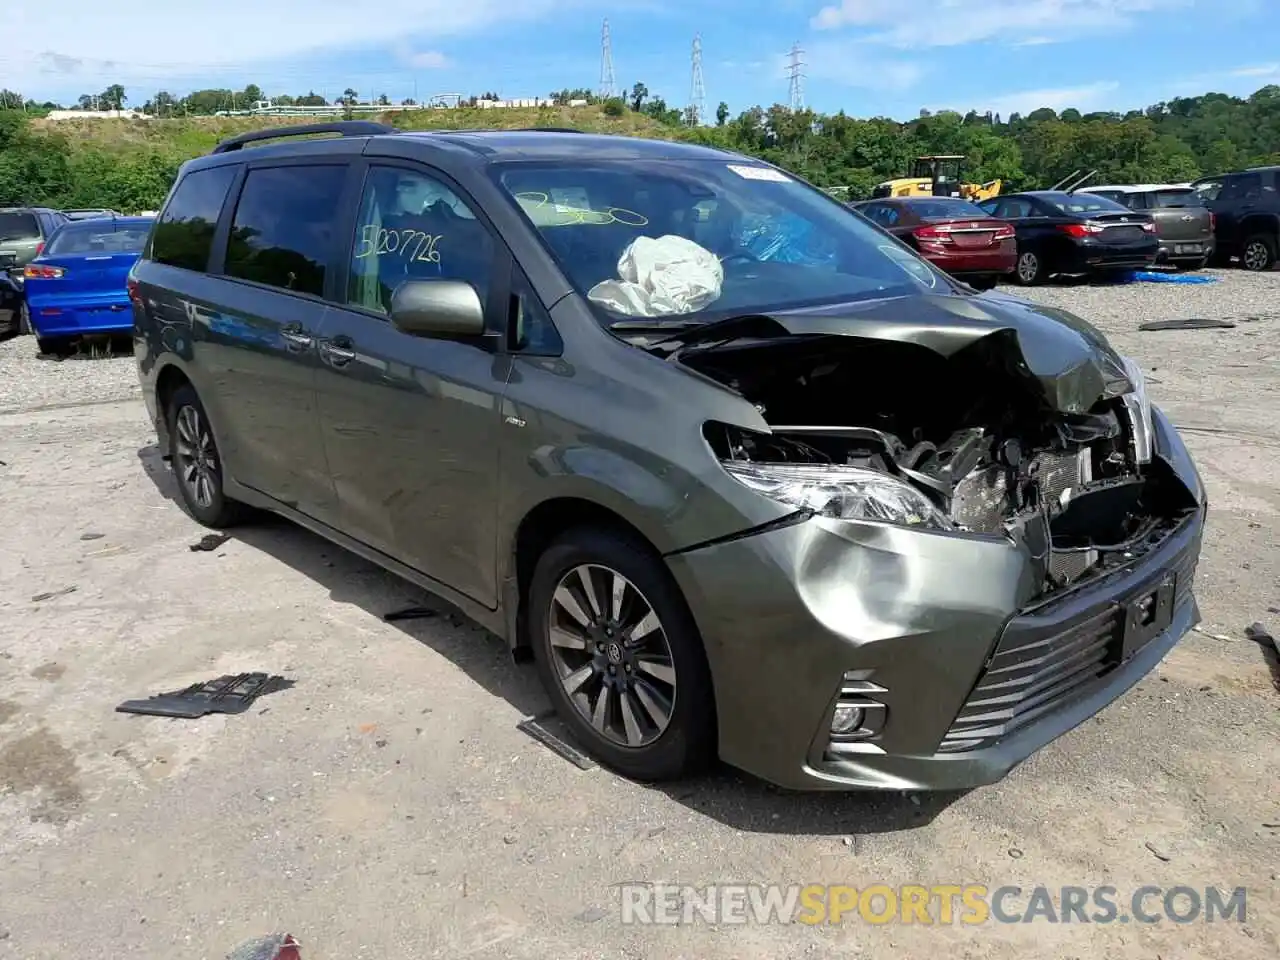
{"x": 337, "y": 351}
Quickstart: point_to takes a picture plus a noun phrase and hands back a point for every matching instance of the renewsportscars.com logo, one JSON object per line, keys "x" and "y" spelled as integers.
{"x": 938, "y": 904}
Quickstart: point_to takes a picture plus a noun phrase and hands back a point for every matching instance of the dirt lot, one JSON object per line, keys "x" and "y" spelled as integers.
{"x": 386, "y": 805}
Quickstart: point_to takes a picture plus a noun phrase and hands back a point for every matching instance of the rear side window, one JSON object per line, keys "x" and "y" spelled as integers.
{"x": 184, "y": 235}
{"x": 282, "y": 234}
{"x": 18, "y": 226}
{"x": 89, "y": 237}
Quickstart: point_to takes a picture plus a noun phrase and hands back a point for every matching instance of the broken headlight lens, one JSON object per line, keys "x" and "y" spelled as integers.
{"x": 1138, "y": 407}
{"x": 844, "y": 493}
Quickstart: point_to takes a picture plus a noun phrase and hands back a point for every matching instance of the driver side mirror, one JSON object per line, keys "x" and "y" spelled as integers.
{"x": 437, "y": 308}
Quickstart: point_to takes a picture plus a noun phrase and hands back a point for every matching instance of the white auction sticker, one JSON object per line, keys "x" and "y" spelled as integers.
{"x": 759, "y": 173}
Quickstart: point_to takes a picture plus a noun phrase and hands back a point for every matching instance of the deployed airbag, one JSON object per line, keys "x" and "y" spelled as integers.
{"x": 669, "y": 275}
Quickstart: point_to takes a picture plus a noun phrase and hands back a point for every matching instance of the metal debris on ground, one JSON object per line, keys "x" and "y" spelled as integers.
{"x": 409, "y": 613}
{"x": 1215, "y": 636}
{"x": 228, "y": 694}
{"x": 54, "y": 593}
{"x": 210, "y": 542}
{"x": 274, "y": 947}
{"x": 1189, "y": 323}
{"x": 536, "y": 727}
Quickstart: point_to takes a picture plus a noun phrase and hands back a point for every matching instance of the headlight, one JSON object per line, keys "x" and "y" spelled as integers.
{"x": 1138, "y": 406}
{"x": 845, "y": 493}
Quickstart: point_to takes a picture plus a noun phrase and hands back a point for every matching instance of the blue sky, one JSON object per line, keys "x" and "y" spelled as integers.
{"x": 868, "y": 57}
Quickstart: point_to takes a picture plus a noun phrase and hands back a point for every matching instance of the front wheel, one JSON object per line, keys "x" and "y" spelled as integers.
{"x": 1030, "y": 269}
{"x": 1258, "y": 253}
{"x": 620, "y": 656}
{"x": 987, "y": 282}
{"x": 197, "y": 467}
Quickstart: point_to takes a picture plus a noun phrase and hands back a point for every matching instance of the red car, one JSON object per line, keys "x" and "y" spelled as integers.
{"x": 952, "y": 234}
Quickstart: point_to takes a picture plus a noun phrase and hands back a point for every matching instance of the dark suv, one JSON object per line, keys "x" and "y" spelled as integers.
{"x": 1246, "y": 206}
{"x": 741, "y": 473}
{"x": 23, "y": 234}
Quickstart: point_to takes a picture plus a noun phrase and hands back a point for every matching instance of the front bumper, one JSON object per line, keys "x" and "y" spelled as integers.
{"x": 973, "y": 676}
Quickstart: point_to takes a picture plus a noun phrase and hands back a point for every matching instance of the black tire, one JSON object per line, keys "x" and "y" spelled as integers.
{"x": 687, "y": 744}
{"x": 1258, "y": 252}
{"x": 53, "y": 346}
{"x": 1190, "y": 266}
{"x": 24, "y": 319}
{"x": 985, "y": 282}
{"x": 215, "y": 510}
{"x": 1030, "y": 270}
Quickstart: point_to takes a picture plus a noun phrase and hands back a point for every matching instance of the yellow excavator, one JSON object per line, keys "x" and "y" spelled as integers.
{"x": 937, "y": 176}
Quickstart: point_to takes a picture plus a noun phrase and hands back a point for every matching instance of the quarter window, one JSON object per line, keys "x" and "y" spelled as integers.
{"x": 413, "y": 227}
{"x": 532, "y": 330}
{"x": 184, "y": 233}
{"x": 282, "y": 234}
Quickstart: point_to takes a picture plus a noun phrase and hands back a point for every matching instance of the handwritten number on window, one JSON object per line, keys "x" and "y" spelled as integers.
{"x": 405, "y": 244}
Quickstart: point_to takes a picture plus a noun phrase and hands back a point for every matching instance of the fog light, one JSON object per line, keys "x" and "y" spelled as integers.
{"x": 847, "y": 719}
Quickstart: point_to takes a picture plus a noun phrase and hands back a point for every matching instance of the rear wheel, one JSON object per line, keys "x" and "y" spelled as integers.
{"x": 1030, "y": 269}
{"x": 53, "y": 346}
{"x": 1258, "y": 252}
{"x": 197, "y": 467}
{"x": 986, "y": 282}
{"x": 620, "y": 655}
{"x": 24, "y": 319}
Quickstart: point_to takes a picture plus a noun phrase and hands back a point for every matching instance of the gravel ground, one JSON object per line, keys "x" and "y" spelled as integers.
{"x": 386, "y": 806}
{"x": 27, "y": 381}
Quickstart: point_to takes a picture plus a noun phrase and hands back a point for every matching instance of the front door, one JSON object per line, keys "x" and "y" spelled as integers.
{"x": 281, "y": 255}
{"x": 411, "y": 424}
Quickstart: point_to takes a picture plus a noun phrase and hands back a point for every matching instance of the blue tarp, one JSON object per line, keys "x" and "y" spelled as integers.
{"x": 1151, "y": 276}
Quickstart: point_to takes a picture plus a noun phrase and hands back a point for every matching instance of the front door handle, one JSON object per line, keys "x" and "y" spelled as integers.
{"x": 296, "y": 337}
{"x": 338, "y": 351}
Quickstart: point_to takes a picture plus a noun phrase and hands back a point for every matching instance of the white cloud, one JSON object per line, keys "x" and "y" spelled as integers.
{"x": 950, "y": 23}
{"x": 1262, "y": 71}
{"x": 855, "y": 65}
{"x": 204, "y": 38}
{"x": 1093, "y": 96}
{"x": 422, "y": 60}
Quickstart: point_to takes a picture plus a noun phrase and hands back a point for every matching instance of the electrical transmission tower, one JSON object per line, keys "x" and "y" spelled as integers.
{"x": 608, "y": 86}
{"x": 795, "y": 73}
{"x": 697, "y": 88}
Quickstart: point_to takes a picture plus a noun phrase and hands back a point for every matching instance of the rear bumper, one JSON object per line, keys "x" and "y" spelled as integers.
{"x": 963, "y": 263}
{"x": 69, "y": 319}
{"x": 1096, "y": 256}
{"x": 1189, "y": 250}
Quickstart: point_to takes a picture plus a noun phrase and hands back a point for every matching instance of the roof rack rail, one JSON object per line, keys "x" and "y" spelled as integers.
{"x": 345, "y": 128}
{"x": 551, "y": 130}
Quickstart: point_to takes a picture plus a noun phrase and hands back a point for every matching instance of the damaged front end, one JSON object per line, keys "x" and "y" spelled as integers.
{"x": 951, "y": 427}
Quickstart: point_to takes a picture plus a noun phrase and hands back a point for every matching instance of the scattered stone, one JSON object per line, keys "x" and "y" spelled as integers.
{"x": 592, "y": 915}
{"x": 1015, "y": 853}
{"x": 509, "y": 839}
{"x": 40, "y": 597}
{"x": 92, "y": 536}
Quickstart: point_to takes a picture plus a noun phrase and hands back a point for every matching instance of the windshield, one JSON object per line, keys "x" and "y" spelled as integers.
{"x": 706, "y": 237}
{"x": 93, "y": 237}
{"x": 18, "y": 226}
{"x": 937, "y": 209}
{"x": 1085, "y": 203}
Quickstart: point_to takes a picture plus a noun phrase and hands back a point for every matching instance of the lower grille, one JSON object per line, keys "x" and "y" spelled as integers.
{"x": 1031, "y": 674}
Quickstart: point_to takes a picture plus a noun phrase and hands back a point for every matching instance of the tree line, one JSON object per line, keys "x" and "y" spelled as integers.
{"x": 1170, "y": 142}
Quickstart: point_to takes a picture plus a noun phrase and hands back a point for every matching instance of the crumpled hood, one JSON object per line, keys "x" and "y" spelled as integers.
{"x": 1070, "y": 358}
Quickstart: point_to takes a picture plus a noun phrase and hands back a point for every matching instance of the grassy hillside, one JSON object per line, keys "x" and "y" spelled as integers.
{"x": 191, "y": 137}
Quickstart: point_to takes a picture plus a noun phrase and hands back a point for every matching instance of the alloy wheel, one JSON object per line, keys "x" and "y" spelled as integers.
{"x": 1256, "y": 256}
{"x": 612, "y": 655}
{"x": 1028, "y": 267}
{"x": 197, "y": 456}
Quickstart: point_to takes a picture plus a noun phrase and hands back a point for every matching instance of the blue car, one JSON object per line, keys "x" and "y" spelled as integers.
{"x": 77, "y": 284}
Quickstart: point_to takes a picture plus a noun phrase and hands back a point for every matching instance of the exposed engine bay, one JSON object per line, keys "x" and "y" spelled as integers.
{"x": 965, "y": 442}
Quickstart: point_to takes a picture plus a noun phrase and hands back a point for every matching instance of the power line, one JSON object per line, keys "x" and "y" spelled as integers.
{"x": 697, "y": 88}
{"x": 795, "y": 74}
{"x": 608, "y": 85}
